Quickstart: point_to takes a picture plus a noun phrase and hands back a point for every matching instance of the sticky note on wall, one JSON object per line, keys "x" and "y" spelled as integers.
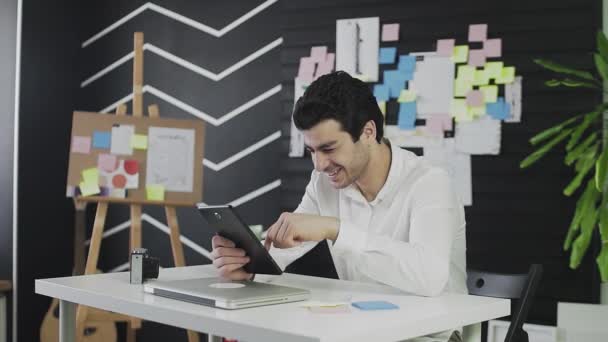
{"x": 461, "y": 54}
{"x": 390, "y": 32}
{"x": 101, "y": 139}
{"x": 387, "y": 55}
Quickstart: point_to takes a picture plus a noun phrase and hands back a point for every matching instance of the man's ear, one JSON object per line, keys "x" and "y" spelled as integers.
{"x": 369, "y": 130}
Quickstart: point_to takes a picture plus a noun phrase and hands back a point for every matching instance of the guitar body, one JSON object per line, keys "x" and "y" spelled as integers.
{"x": 94, "y": 331}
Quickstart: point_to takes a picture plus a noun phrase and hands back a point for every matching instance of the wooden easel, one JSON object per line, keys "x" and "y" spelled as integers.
{"x": 135, "y": 232}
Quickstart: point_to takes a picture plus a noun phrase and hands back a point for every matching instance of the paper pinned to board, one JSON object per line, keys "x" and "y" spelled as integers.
{"x": 458, "y": 166}
{"x": 357, "y": 43}
{"x": 121, "y": 139}
{"x": 155, "y": 192}
{"x": 513, "y": 97}
{"x": 433, "y": 83}
{"x": 170, "y": 159}
{"x": 296, "y": 139}
{"x": 479, "y": 137}
{"x": 81, "y": 144}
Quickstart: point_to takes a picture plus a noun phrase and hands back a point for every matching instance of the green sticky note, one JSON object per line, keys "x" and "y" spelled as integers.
{"x": 88, "y": 189}
{"x": 490, "y": 93}
{"x": 460, "y": 54}
{"x": 462, "y": 87}
{"x": 480, "y": 78}
{"x": 507, "y": 75}
{"x": 458, "y": 109}
{"x": 476, "y": 112}
{"x": 139, "y": 142}
{"x": 91, "y": 176}
{"x": 466, "y": 72}
{"x": 407, "y": 95}
{"x": 155, "y": 192}
{"x": 493, "y": 69}
{"x": 382, "y": 106}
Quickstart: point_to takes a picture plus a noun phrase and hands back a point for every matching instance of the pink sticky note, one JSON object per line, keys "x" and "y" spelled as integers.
{"x": 307, "y": 69}
{"x": 81, "y": 144}
{"x": 493, "y": 47}
{"x": 326, "y": 66}
{"x": 390, "y": 32}
{"x": 107, "y": 162}
{"x": 477, "y": 57}
{"x": 318, "y": 53}
{"x": 448, "y": 123}
{"x": 475, "y": 98}
{"x": 445, "y": 47}
{"x": 434, "y": 125}
{"x": 478, "y": 32}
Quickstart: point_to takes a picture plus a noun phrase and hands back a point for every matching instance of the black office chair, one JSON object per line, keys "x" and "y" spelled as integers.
{"x": 511, "y": 286}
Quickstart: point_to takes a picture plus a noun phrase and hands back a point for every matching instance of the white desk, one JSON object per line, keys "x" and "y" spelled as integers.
{"x": 417, "y": 316}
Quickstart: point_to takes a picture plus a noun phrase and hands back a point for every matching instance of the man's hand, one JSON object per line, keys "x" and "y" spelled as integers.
{"x": 228, "y": 259}
{"x": 292, "y": 229}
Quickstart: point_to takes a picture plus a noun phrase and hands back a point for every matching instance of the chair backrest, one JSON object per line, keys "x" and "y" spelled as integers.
{"x": 512, "y": 286}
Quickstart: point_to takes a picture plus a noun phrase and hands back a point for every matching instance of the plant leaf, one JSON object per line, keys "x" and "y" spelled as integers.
{"x": 589, "y": 162}
{"x": 562, "y": 69}
{"x": 549, "y": 132}
{"x": 553, "y": 83}
{"x": 602, "y": 45}
{"x": 600, "y": 65}
{"x": 568, "y": 82}
{"x": 536, "y": 155}
{"x": 580, "y": 245}
{"x": 601, "y": 166}
{"x": 581, "y": 203}
{"x": 580, "y": 129}
{"x": 575, "y": 153}
{"x": 602, "y": 262}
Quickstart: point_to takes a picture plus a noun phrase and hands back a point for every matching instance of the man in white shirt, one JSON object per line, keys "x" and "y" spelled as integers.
{"x": 390, "y": 216}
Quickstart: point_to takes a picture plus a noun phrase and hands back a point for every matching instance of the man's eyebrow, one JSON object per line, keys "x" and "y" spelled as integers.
{"x": 323, "y": 146}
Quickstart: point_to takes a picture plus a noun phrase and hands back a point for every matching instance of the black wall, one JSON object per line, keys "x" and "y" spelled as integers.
{"x": 48, "y": 93}
{"x": 518, "y": 217}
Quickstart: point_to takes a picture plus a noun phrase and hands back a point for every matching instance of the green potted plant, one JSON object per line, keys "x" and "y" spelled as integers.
{"x": 585, "y": 136}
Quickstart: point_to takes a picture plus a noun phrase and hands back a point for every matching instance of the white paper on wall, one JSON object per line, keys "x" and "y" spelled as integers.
{"x": 513, "y": 97}
{"x": 433, "y": 83}
{"x": 412, "y": 138}
{"x": 357, "y": 47}
{"x": 296, "y": 139}
{"x": 121, "y": 139}
{"x": 480, "y": 136}
{"x": 458, "y": 166}
{"x": 170, "y": 159}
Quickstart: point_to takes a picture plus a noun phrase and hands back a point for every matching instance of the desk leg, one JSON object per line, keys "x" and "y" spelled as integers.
{"x": 213, "y": 338}
{"x": 67, "y": 321}
{"x": 3, "y": 318}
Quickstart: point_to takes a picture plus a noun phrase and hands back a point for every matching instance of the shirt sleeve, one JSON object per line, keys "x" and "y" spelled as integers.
{"x": 421, "y": 265}
{"x": 308, "y": 205}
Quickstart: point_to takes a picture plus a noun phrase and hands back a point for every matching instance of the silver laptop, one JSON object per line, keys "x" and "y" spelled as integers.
{"x": 226, "y": 294}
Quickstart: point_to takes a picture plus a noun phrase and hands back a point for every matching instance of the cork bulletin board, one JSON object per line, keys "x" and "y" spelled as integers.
{"x": 136, "y": 160}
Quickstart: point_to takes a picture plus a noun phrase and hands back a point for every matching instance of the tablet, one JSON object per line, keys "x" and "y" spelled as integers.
{"x": 224, "y": 220}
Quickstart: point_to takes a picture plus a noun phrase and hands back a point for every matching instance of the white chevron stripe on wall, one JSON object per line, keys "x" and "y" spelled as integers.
{"x": 196, "y": 112}
{"x": 183, "y": 19}
{"x": 217, "y": 167}
{"x": 184, "y": 63}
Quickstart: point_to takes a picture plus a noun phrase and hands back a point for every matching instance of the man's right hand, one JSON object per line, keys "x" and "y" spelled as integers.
{"x": 228, "y": 259}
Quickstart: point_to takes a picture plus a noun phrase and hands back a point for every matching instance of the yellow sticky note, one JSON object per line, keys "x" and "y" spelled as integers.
{"x": 382, "y": 106}
{"x": 462, "y": 87}
{"x": 480, "y": 78}
{"x": 91, "y": 176}
{"x": 458, "y": 109}
{"x": 507, "y": 75}
{"x": 88, "y": 189}
{"x": 466, "y": 72}
{"x": 490, "y": 93}
{"x": 407, "y": 95}
{"x": 493, "y": 69}
{"x": 476, "y": 112}
{"x": 461, "y": 54}
{"x": 155, "y": 192}
{"x": 139, "y": 142}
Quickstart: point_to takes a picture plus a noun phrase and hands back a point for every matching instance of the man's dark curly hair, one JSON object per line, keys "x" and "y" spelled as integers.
{"x": 340, "y": 97}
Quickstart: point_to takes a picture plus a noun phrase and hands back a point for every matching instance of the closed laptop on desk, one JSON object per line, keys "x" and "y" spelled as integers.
{"x": 226, "y": 294}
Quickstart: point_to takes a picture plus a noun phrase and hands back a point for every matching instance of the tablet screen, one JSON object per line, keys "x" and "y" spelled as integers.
{"x": 225, "y": 221}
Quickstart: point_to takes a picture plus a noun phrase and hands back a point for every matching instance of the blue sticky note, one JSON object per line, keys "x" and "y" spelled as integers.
{"x": 381, "y": 92}
{"x": 102, "y": 139}
{"x": 498, "y": 110}
{"x": 387, "y": 55}
{"x": 395, "y": 80}
{"x": 407, "y": 115}
{"x": 407, "y": 63}
{"x": 375, "y": 305}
